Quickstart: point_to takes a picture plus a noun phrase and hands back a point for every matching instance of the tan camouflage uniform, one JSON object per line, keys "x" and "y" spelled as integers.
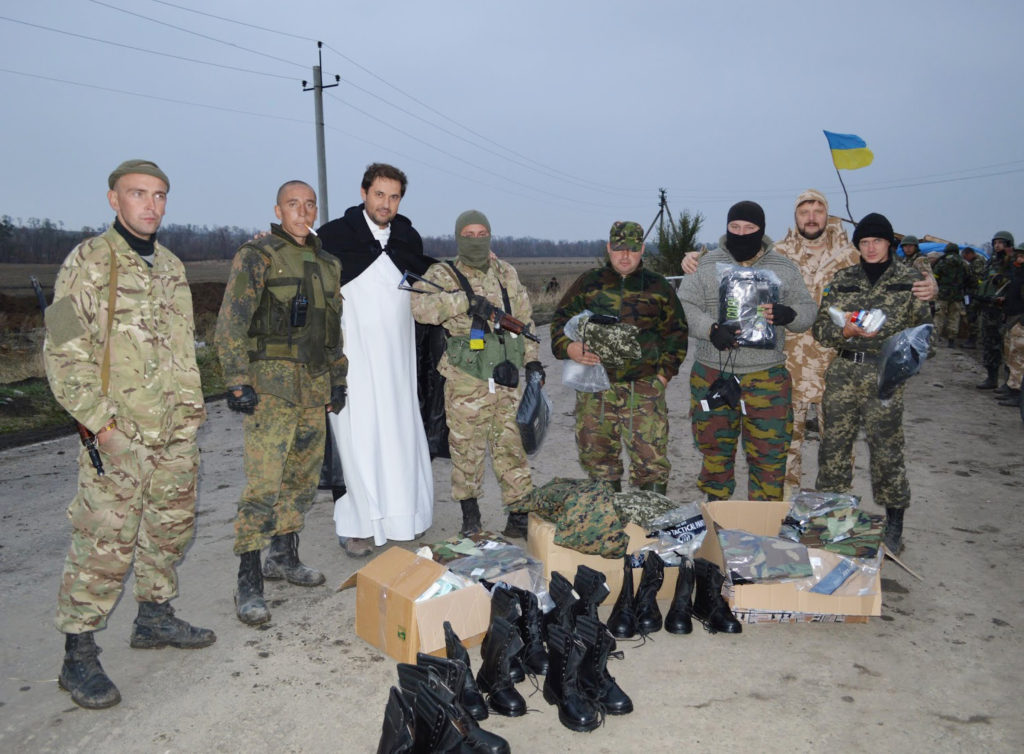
{"x": 284, "y": 437}
{"x": 479, "y": 418}
{"x": 143, "y": 509}
{"x": 806, "y": 359}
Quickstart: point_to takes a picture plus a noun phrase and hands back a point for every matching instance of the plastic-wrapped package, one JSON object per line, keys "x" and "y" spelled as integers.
{"x": 808, "y": 504}
{"x": 582, "y": 377}
{"x": 753, "y": 559}
{"x": 683, "y": 527}
{"x": 870, "y": 319}
{"x": 742, "y": 295}
{"x": 840, "y": 575}
{"x": 494, "y": 560}
{"x": 534, "y": 415}
{"x": 901, "y": 358}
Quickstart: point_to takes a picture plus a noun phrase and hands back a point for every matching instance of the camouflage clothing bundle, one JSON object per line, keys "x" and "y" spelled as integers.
{"x": 584, "y": 515}
{"x": 642, "y": 507}
{"x": 848, "y": 532}
{"x": 751, "y": 558}
{"x": 615, "y": 343}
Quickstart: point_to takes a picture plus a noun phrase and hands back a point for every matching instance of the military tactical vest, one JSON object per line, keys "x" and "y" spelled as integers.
{"x": 280, "y": 333}
{"x": 498, "y": 347}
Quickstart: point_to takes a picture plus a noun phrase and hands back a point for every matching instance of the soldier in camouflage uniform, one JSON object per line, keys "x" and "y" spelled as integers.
{"x": 975, "y": 272}
{"x": 1013, "y": 341}
{"x": 123, "y": 364}
{"x": 951, "y": 275}
{"x": 279, "y": 341}
{"x": 634, "y": 405}
{"x": 991, "y": 293}
{"x": 879, "y": 281}
{"x": 765, "y": 415}
{"x": 481, "y": 368}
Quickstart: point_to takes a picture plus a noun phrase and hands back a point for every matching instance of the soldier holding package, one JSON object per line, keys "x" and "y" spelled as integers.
{"x": 120, "y": 357}
{"x": 624, "y": 294}
{"x": 878, "y": 281}
{"x": 481, "y": 368}
{"x": 279, "y": 341}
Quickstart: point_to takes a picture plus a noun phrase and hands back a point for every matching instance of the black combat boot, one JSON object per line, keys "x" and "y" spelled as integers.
{"x": 494, "y": 677}
{"x": 531, "y": 629}
{"x": 516, "y": 525}
{"x": 506, "y": 605}
{"x": 991, "y": 381}
{"x": 249, "y": 605}
{"x": 622, "y": 621}
{"x": 1012, "y": 398}
{"x": 660, "y": 487}
{"x": 437, "y": 725}
{"x": 470, "y": 697}
{"x": 709, "y": 606}
{"x": 399, "y": 729}
{"x": 283, "y": 562}
{"x": 562, "y": 683}
{"x": 648, "y": 615}
{"x": 893, "y": 536}
{"x": 595, "y": 680}
{"x": 677, "y": 620}
{"x": 470, "y": 517}
{"x": 156, "y": 627}
{"x": 592, "y": 588}
{"x": 83, "y": 676}
{"x": 565, "y": 599}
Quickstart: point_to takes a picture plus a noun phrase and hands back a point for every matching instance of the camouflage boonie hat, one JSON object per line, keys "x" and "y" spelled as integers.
{"x": 626, "y": 235}
{"x": 616, "y": 344}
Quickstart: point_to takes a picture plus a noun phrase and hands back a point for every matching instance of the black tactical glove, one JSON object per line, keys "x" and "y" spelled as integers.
{"x": 723, "y": 337}
{"x": 338, "y": 395}
{"x": 481, "y": 307}
{"x": 782, "y": 315}
{"x": 535, "y": 367}
{"x": 246, "y": 402}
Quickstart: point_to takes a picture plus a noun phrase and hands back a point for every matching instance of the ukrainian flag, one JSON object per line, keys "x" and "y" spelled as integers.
{"x": 849, "y": 152}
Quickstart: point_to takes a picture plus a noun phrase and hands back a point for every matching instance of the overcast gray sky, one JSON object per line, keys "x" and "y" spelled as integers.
{"x": 554, "y": 118}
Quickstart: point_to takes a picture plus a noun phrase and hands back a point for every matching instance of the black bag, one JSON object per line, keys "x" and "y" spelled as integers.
{"x": 534, "y": 415}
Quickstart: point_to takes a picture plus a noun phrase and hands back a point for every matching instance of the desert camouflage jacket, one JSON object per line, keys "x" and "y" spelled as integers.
{"x": 154, "y": 388}
{"x": 806, "y": 358}
{"x": 644, "y": 299}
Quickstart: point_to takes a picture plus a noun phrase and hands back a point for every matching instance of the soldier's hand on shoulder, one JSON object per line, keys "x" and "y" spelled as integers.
{"x": 690, "y": 261}
{"x": 243, "y": 399}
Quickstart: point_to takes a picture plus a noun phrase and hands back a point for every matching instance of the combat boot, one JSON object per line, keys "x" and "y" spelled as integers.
{"x": 437, "y": 727}
{"x": 595, "y": 680}
{"x": 249, "y": 604}
{"x": 470, "y": 697}
{"x": 1012, "y": 398}
{"x": 648, "y": 615}
{"x": 494, "y": 677}
{"x": 592, "y": 588}
{"x": 709, "y": 606}
{"x": 565, "y": 599}
{"x": 893, "y": 536}
{"x": 516, "y": 525}
{"x": 156, "y": 627}
{"x": 562, "y": 683}
{"x": 660, "y": 487}
{"x": 677, "y": 620}
{"x": 83, "y": 676}
{"x": 535, "y": 655}
{"x": 1003, "y": 389}
{"x": 283, "y": 562}
{"x": 470, "y": 517}
{"x": 399, "y": 729}
{"x": 622, "y": 621}
{"x": 506, "y": 605}
{"x": 991, "y": 381}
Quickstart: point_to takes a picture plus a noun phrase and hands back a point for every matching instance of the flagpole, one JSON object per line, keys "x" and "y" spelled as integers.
{"x": 849, "y": 217}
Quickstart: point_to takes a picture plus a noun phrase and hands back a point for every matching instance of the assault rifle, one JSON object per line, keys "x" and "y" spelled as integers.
{"x": 501, "y": 320}
{"x": 84, "y": 434}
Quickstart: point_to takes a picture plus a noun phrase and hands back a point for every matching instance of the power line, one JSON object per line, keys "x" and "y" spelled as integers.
{"x": 233, "y": 21}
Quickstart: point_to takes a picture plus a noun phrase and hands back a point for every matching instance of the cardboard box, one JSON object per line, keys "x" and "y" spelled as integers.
{"x": 784, "y": 600}
{"x": 540, "y": 544}
{"x": 389, "y": 618}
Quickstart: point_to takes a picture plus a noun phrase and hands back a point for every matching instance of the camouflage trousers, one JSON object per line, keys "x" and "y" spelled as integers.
{"x": 143, "y": 511}
{"x": 1013, "y": 353}
{"x": 990, "y": 336}
{"x": 284, "y": 449}
{"x": 851, "y": 402}
{"x": 947, "y": 318}
{"x": 793, "y": 481}
{"x": 767, "y": 428}
{"x": 478, "y": 421}
{"x": 634, "y": 410}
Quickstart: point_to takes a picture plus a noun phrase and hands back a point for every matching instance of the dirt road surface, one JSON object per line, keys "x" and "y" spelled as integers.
{"x": 939, "y": 671}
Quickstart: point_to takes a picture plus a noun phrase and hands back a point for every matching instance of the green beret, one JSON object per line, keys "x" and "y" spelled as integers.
{"x": 145, "y": 167}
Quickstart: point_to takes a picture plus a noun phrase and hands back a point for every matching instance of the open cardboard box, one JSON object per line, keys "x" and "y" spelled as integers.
{"x": 389, "y": 618}
{"x": 783, "y": 602}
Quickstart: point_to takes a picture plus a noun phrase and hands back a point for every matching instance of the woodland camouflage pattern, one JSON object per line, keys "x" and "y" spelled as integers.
{"x": 641, "y": 507}
{"x": 851, "y": 389}
{"x": 584, "y": 515}
{"x": 143, "y": 509}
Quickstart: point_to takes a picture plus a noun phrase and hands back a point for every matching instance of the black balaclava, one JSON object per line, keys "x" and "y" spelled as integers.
{"x": 744, "y": 248}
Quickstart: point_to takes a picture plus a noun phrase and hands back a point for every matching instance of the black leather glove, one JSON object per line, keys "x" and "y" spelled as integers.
{"x": 782, "y": 315}
{"x": 535, "y": 367}
{"x": 723, "y": 337}
{"x": 338, "y": 395}
{"x": 246, "y": 402}
{"x": 481, "y": 307}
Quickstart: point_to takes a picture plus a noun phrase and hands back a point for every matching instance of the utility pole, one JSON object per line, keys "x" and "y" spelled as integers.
{"x": 321, "y": 151}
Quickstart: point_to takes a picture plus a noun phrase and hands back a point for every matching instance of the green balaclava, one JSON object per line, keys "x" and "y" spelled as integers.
{"x": 474, "y": 252}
